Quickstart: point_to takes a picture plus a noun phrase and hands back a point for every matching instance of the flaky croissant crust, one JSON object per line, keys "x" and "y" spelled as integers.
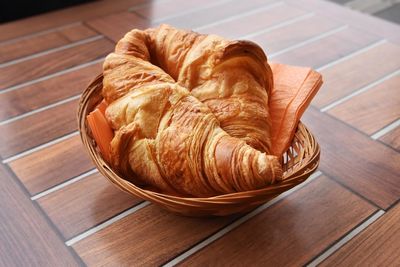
{"x": 232, "y": 78}
{"x": 170, "y": 138}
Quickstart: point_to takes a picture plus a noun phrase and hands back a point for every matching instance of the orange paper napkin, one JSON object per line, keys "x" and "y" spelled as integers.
{"x": 294, "y": 88}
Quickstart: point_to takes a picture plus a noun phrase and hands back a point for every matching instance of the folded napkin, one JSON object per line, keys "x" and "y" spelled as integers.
{"x": 294, "y": 88}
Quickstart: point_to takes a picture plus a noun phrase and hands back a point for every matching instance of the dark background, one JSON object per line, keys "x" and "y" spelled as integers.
{"x": 17, "y": 9}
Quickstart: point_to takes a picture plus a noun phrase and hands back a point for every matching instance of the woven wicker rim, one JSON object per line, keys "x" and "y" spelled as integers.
{"x": 299, "y": 162}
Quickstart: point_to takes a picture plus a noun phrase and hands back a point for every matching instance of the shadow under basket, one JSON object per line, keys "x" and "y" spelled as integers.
{"x": 299, "y": 162}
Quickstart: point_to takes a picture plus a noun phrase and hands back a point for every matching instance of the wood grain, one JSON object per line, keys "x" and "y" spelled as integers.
{"x": 52, "y": 165}
{"x": 39, "y": 43}
{"x": 291, "y": 232}
{"x": 26, "y": 238}
{"x": 43, "y": 93}
{"x": 368, "y": 24}
{"x": 251, "y": 23}
{"x": 294, "y": 33}
{"x": 372, "y": 110}
{"x": 378, "y": 245}
{"x": 392, "y": 138}
{"x": 317, "y": 54}
{"x": 148, "y": 237}
{"x": 358, "y": 71}
{"x": 43, "y": 127}
{"x": 213, "y": 14}
{"x": 84, "y": 204}
{"x": 115, "y": 26}
{"x": 53, "y": 62}
{"x": 367, "y": 167}
{"x": 65, "y": 16}
{"x": 163, "y": 9}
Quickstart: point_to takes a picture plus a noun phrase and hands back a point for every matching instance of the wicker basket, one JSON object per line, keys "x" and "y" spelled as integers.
{"x": 299, "y": 162}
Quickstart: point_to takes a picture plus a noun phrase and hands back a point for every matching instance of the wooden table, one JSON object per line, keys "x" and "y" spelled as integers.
{"x": 56, "y": 210}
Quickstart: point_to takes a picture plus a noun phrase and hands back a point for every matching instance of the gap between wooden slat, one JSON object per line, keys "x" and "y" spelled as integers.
{"x": 64, "y": 184}
{"x": 308, "y": 41}
{"x": 160, "y": 20}
{"x": 237, "y": 223}
{"x": 39, "y": 147}
{"x": 46, "y": 77}
{"x": 104, "y": 224}
{"x": 345, "y": 239}
{"x": 52, "y": 50}
{"x": 386, "y": 129}
{"x": 244, "y": 14}
{"x": 359, "y": 91}
{"x": 35, "y": 34}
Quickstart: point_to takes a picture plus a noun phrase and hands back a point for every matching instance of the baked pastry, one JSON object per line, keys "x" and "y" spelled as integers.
{"x": 232, "y": 78}
{"x": 197, "y": 115}
{"x": 168, "y": 139}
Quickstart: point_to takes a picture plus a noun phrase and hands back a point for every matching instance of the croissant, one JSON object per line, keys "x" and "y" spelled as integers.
{"x": 166, "y": 138}
{"x": 232, "y": 78}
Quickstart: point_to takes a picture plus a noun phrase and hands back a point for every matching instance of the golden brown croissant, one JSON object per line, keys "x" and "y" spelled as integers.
{"x": 232, "y": 77}
{"x": 167, "y": 138}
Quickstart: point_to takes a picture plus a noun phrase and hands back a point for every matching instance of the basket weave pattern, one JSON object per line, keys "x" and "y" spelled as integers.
{"x": 299, "y": 162}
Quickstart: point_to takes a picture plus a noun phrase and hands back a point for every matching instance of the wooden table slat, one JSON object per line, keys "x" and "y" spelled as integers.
{"x": 363, "y": 22}
{"x": 53, "y": 62}
{"x": 367, "y": 167}
{"x": 26, "y": 238}
{"x": 374, "y": 109}
{"x": 65, "y": 16}
{"x": 290, "y": 233}
{"x": 115, "y": 26}
{"x": 43, "y": 127}
{"x": 213, "y": 14}
{"x": 148, "y": 237}
{"x": 295, "y": 33}
{"x": 392, "y": 138}
{"x": 52, "y": 165}
{"x": 378, "y": 245}
{"x": 327, "y": 49}
{"x": 35, "y": 44}
{"x": 358, "y": 71}
{"x": 248, "y": 24}
{"x": 163, "y": 9}
{"x": 85, "y": 204}
{"x": 43, "y": 93}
